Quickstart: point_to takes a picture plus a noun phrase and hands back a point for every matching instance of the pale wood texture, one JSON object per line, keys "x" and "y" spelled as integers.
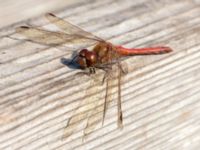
{"x": 12, "y": 11}
{"x": 160, "y": 94}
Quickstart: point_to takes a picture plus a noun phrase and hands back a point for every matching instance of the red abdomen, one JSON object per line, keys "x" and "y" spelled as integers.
{"x": 142, "y": 51}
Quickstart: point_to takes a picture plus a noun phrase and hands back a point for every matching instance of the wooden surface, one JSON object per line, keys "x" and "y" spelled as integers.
{"x": 13, "y": 11}
{"x": 160, "y": 94}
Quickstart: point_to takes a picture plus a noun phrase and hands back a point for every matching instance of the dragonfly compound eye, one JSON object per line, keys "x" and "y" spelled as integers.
{"x": 86, "y": 58}
{"x": 83, "y": 52}
{"x": 91, "y": 58}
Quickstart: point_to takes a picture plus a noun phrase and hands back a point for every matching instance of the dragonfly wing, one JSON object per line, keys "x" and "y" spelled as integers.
{"x": 84, "y": 110}
{"x": 55, "y": 38}
{"x": 119, "y": 103}
{"x": 101, "y": 106}
{"x": 69, "y": 28}
{"x": 41, "y": 36}
{"x": 79, "y": 115}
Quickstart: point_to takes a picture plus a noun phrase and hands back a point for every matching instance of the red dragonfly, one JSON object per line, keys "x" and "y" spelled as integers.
{"x": 104, "y": 55}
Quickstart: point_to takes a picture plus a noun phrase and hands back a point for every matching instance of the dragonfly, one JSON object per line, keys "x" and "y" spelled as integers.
{"x": 104, "y": 56}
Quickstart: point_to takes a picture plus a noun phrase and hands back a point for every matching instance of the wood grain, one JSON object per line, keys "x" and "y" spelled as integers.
{"x": 160, "y": 94}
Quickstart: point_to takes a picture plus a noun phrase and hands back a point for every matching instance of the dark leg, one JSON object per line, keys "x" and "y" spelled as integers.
{"x": 92, "y": 70}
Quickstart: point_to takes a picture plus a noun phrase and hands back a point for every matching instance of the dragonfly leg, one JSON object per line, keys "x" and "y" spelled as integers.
{"x": 104, "y": 67}
{"x": 88, "y": 73}
{"x": 92, "y": 70}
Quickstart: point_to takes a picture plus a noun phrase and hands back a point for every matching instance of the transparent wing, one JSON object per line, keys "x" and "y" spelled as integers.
{"x": 86, "y": 107}
{"x": 119, "y": 102}
{"x": 54, "y": 38}
{"x": 112, "y": 76}
{"x": 98, "y": 114}
{"x": 69, "y": 28}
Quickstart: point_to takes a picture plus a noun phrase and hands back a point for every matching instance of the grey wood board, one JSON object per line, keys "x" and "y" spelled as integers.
{"x": 160, "y": 94}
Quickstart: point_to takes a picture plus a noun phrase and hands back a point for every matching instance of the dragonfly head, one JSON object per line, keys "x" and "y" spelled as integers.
{"x": 86, "y": 58}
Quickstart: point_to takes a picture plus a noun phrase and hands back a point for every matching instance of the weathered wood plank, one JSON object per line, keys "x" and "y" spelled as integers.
{"x": 160, "y": 94}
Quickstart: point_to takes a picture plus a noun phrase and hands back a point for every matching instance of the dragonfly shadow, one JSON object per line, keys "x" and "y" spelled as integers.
{"x": 69, "y": 63}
